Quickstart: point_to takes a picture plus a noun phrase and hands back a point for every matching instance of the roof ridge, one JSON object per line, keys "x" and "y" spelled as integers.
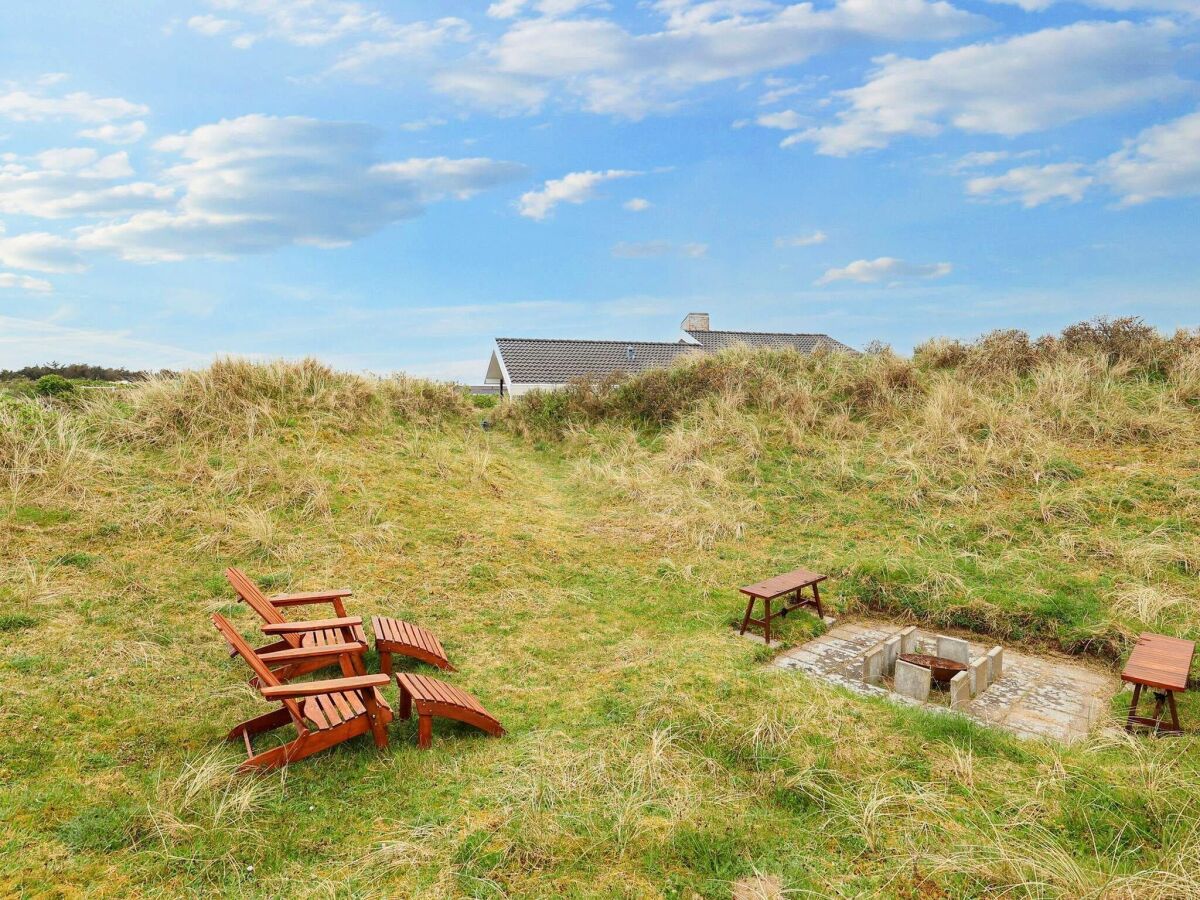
{"x": 597, "y": 341}
{"x": 764, "y": 333}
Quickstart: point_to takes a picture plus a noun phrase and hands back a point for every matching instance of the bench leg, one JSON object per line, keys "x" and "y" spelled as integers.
{"x": 1174, "y": 711}
{"x": 1133, "y": 705}
{"x": 817, "y": 599}
{"x": 767, "y": 622}
{"x": 424, "y": 731}
{"x": 746, "y": 617}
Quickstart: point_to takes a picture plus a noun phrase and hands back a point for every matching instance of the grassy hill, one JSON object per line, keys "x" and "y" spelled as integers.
{"x": 579, "y": 561}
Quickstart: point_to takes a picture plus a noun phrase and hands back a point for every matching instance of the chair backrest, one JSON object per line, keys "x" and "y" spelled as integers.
{"x": 253, "y": 595}
{"x": 246, "y": 652}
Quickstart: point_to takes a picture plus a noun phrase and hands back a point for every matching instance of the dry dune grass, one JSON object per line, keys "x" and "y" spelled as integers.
{"x": 583, "y": 583}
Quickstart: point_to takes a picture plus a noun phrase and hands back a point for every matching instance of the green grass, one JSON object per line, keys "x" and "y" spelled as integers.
{"x": 585, "y": 587}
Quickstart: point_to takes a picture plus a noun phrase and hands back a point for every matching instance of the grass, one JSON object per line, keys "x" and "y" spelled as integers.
{"x": 579, "y": 561}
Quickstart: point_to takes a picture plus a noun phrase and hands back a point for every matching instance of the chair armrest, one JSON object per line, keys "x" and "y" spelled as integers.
{"x": 299, "y": 653}
{"x": 332, "y": 686}
{"x": 304, "y": 599}
{"x": 312, "y": 625}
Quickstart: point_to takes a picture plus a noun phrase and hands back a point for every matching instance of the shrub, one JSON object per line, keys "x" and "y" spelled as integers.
{"x": 53, "y": 386}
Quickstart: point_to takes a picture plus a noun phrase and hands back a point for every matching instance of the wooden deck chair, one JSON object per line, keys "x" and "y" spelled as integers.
{"x": 391, "y": 635}
{"x": 436, "y": 698}
{"x": 324, "y": 712}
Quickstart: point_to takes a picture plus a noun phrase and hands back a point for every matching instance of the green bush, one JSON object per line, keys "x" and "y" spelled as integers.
{"x": 484, "y": 401}
{"x": 53, "y": 386}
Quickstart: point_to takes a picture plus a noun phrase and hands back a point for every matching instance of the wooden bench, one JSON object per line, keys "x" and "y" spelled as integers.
{"x": 1162, "y": 664}
{"x": 793, "y": 583}
{"x": 436, "y": 698}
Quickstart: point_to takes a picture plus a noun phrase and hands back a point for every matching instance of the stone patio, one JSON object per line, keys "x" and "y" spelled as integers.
{"x": 1036, "y": 697}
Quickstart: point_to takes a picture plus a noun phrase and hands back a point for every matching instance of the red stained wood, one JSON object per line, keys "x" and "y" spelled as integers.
{"x": 324, "y": 713}
{"x": 793, "y": 583}
{"x": 787, "y": 583}
{"x": 407, "y": 639}
{"x": 432, "y": 697}
{"x": 1161, "y": 662}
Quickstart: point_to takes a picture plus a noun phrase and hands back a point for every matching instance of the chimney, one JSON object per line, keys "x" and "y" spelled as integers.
{"x": 695, "y": 322}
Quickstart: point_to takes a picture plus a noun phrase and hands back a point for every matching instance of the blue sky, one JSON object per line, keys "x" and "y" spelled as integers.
{"x": 389, "y": 186}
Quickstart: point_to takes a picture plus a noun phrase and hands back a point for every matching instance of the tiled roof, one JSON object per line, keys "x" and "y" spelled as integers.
{"x": 550, "y": 361}
{"x": 805, "y": 343}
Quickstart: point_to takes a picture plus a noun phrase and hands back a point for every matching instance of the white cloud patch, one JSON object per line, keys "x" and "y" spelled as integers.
{"x": 40, "y": 252}
{"x": 801, "y": 240}
{"x": 884, "y": 269}
{"x": 658, "y": 248}
{"x": 1023, "y": 84}
{"x": 211, "y": 26}
{"x": 509, "y": 9}
{"x": 259, "y": 182}
{"x": 10, "y": 281}
{"x": 575, "y": 187}
{"x": 785, "y": 120}
{"x": 372, "y": 36}
{"x": 1182, "y": 6}
{"x": 128, "y": 133}
{"x": 1035, "y": 185}
{"x": 75, "y": 181}
{"x": 637, "y": 204}
{"x": 1162, "y": 161}
{"x": 38, "y": 106}
{"x": 608, "y": 69}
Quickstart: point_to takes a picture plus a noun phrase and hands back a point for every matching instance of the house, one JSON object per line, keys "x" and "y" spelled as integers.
{"x": 519, "y": 365}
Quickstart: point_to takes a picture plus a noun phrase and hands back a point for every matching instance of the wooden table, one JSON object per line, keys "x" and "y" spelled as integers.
{"x": 792, "y": 583}
{"x": 1162, "y": 664}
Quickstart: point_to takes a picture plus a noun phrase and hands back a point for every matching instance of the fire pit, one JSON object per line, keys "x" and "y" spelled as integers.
{"x": 940, "y": 668}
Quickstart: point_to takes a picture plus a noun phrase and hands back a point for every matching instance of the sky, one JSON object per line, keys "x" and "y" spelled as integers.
{"x": 389, "y": 186}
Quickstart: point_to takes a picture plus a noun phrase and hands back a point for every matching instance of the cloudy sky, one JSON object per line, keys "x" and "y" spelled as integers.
{"x": 390, "y": 185}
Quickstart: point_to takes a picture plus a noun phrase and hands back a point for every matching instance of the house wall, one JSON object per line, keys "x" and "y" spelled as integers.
{"x": 516, "y": 390}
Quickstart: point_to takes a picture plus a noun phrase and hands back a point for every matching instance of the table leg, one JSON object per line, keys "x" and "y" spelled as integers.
{"x": 746, "y": 617}
{"x": 767, "y": 621}
{"x": 1137, "y": 695}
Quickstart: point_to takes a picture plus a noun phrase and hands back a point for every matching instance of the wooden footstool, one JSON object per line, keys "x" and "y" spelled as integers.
{"x": 436, "y": 698}
{"x": 395, "y": 636}
{"x": 1161, "y": 664}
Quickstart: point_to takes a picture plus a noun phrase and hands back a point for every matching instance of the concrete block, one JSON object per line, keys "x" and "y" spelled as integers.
{"x": 960, "y": 690}
{"x": 979, "y": 672}
{"x": 872, "y": 666}
{"x": 953, "y": 648}
{"x": 912, "y": 681}
{"x": 891, "y": 652}
{"x": 995, "y": 658}
{"x": 908, "y": 639}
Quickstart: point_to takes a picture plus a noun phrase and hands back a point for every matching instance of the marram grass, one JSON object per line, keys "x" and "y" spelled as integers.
{"x": 580, "y": 564}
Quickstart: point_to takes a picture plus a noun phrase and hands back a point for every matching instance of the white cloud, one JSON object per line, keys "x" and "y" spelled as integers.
{"x": 575, "y": 187}
{"x": 1183, "y": 6}
{"x": 1162, "y": 161}
{"x": 885, "y": 268}
{"x": 801, "y": 240}
{"x": 40, "y": 252}
{"x": 422, "y": 124}
{"x": 211, "y": 26}
{"x": 1035, "y": 185}
{"x": 129, "y": 133}
{"x": 637, "y": 204}
{"x": 376, "y": 36}
{"x": 1022, "y": 84}
{"x": 658, "y": 248}
{"x": 508, "y": 9}
{"x": 24, "y": 106}
{"x": 66, "y": 182}
{"x": 610, "y": 70}
{"x": 24, "y": 283}
{"x": 259, "y": 182}
{"x": 786, "y": 120}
